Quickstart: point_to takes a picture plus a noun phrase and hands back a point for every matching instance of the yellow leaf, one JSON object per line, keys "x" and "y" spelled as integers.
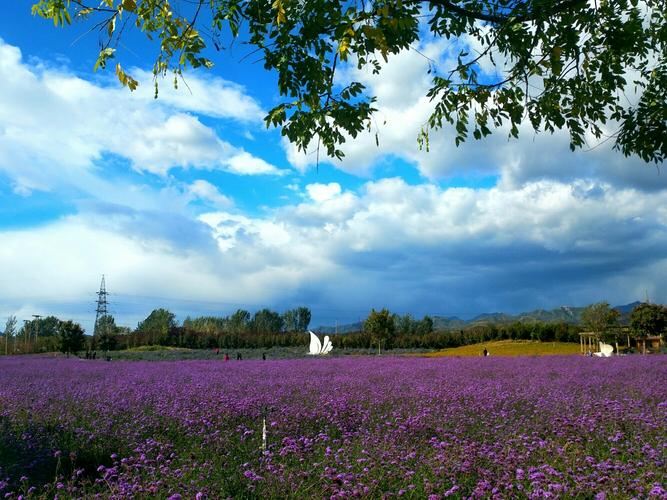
{"x": 129, "y": 5}
{"x": 343, "y": 48}
{"x": 280, "y": 14}
{"x": 112, "y": 26}
{"x": 125, "y": 79}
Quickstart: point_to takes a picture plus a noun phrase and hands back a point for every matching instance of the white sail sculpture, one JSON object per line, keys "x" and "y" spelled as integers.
{"x": 317, "y": 347}
{"x": 606, "y": 350}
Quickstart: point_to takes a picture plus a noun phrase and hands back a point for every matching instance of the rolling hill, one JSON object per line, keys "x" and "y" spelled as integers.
{"x": 563, "y": 314}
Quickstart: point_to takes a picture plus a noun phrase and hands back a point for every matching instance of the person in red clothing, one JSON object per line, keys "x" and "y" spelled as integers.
{"x": 226, "y": 357}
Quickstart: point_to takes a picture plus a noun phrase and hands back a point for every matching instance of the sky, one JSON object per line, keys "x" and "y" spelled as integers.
{"x": 189, "y": 202}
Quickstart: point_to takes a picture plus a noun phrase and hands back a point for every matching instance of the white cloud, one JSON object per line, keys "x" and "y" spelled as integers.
{"x": 323, "y": 192}
{"x": 403, "y": 109}
{"x": 206, "y": 191}
{"x": 416, "y": 245}
{"x": 557, "y": 228}
{"x": 55, "y": 127}
{"x": 298, "y": 159}
{"x": 181, "y": 141}
{"x": 202, "y": 93}
{"x": 411, "y": 248}
{"x": 245, "y": 164}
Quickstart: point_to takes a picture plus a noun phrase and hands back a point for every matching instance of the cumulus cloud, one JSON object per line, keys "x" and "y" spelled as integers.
{"x": 323, "y": 192}
{"x": 203, "y": 93}
{"x": 403, "y": 109}
{"x": 422, "y": 249}
{"x": 182, "y": 140}
{"x": 557, "y": 228}
{"x": 245, "y": 164}
{"x": 206, "y": 191}
{"x": 55, "y": 127}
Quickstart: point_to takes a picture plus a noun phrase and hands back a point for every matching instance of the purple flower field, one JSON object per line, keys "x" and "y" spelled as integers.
{"x": 342, "y": 427}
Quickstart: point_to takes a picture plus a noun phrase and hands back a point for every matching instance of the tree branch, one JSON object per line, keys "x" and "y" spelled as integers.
{"x": 500, "y": 19}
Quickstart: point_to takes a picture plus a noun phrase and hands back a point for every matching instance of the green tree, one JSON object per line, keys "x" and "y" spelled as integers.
{"x": 648, "y": 319}
{"x": 71, "y": 337}
{"x": 105, "y": 333}
{"x": 238, "y": 322}
{"x": 43, "y": 327}
{"x": 405, "y": 325}
{"x": 424, "y": 326}
{"x": 106, "y": 324}
{"x": 296, "y": 320}
{"x": 107, "y": 342}
{"x": 9, "y": 332}
{"x": 303, "y": 318}
{"x": 557, "y": 64}
{"x": 381, "y": 327}
{"x": 210, "y": 325}
{"x": 600, "y": 318}
{"x": 267, "y": 321}
{"x": 155, "y": 328}
{"x": 40, "y": 333}
{"x": 290, "y": 321}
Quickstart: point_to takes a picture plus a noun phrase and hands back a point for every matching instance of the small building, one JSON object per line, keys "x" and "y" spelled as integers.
{"x": 650, "y": 343}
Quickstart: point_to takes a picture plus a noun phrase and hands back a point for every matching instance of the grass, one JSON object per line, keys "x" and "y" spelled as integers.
{"x": 154, "y": 348}
{"x": 495, "y": 348}
{"x": 159, "y": 353}
{"x": 511, "y": 348}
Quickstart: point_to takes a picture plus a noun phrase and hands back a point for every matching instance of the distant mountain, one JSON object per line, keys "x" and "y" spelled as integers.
{"x": 448, "y": 323}
{"x": 350, "y": 327}
{"x": 563, "y": 314}
{"x": 486, "y": 318}
{"x": 627, "y": 308}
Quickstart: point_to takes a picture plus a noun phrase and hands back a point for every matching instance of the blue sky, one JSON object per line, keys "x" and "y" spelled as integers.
{"x": 189, "y": 202}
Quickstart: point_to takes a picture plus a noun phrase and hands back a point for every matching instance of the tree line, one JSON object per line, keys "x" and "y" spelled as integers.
{"x": 46, "y": 334}
{"x": 266, "y": 328}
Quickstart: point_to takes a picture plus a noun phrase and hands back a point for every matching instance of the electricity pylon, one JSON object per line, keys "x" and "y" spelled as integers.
{"x": 101, "y": 310}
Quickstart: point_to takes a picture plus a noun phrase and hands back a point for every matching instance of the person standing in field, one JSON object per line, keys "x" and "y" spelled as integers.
{"x": 485, "y": 352}
{"x": 226, "y": 357}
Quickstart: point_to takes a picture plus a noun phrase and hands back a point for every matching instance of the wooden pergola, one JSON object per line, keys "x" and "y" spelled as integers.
{"x": 589, "y": 342}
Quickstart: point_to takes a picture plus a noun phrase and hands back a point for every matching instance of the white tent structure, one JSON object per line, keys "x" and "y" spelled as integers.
{"x": 606, "y": 350}
{"x": 317, "y": 347}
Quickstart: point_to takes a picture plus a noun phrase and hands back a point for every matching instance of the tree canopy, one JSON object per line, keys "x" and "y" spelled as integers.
{"x": 648, "y": 319}
{"x": 71, "y": 337}
{"x": 10, "y": 327}
{"x": 156, "y": 326}
{"x": 43, "y": 327}
{"x": 596, "y": 69}
{"x": 381, "y": 327}
{"x": 600, "y": 317}
{"x": 296, "y": 320}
